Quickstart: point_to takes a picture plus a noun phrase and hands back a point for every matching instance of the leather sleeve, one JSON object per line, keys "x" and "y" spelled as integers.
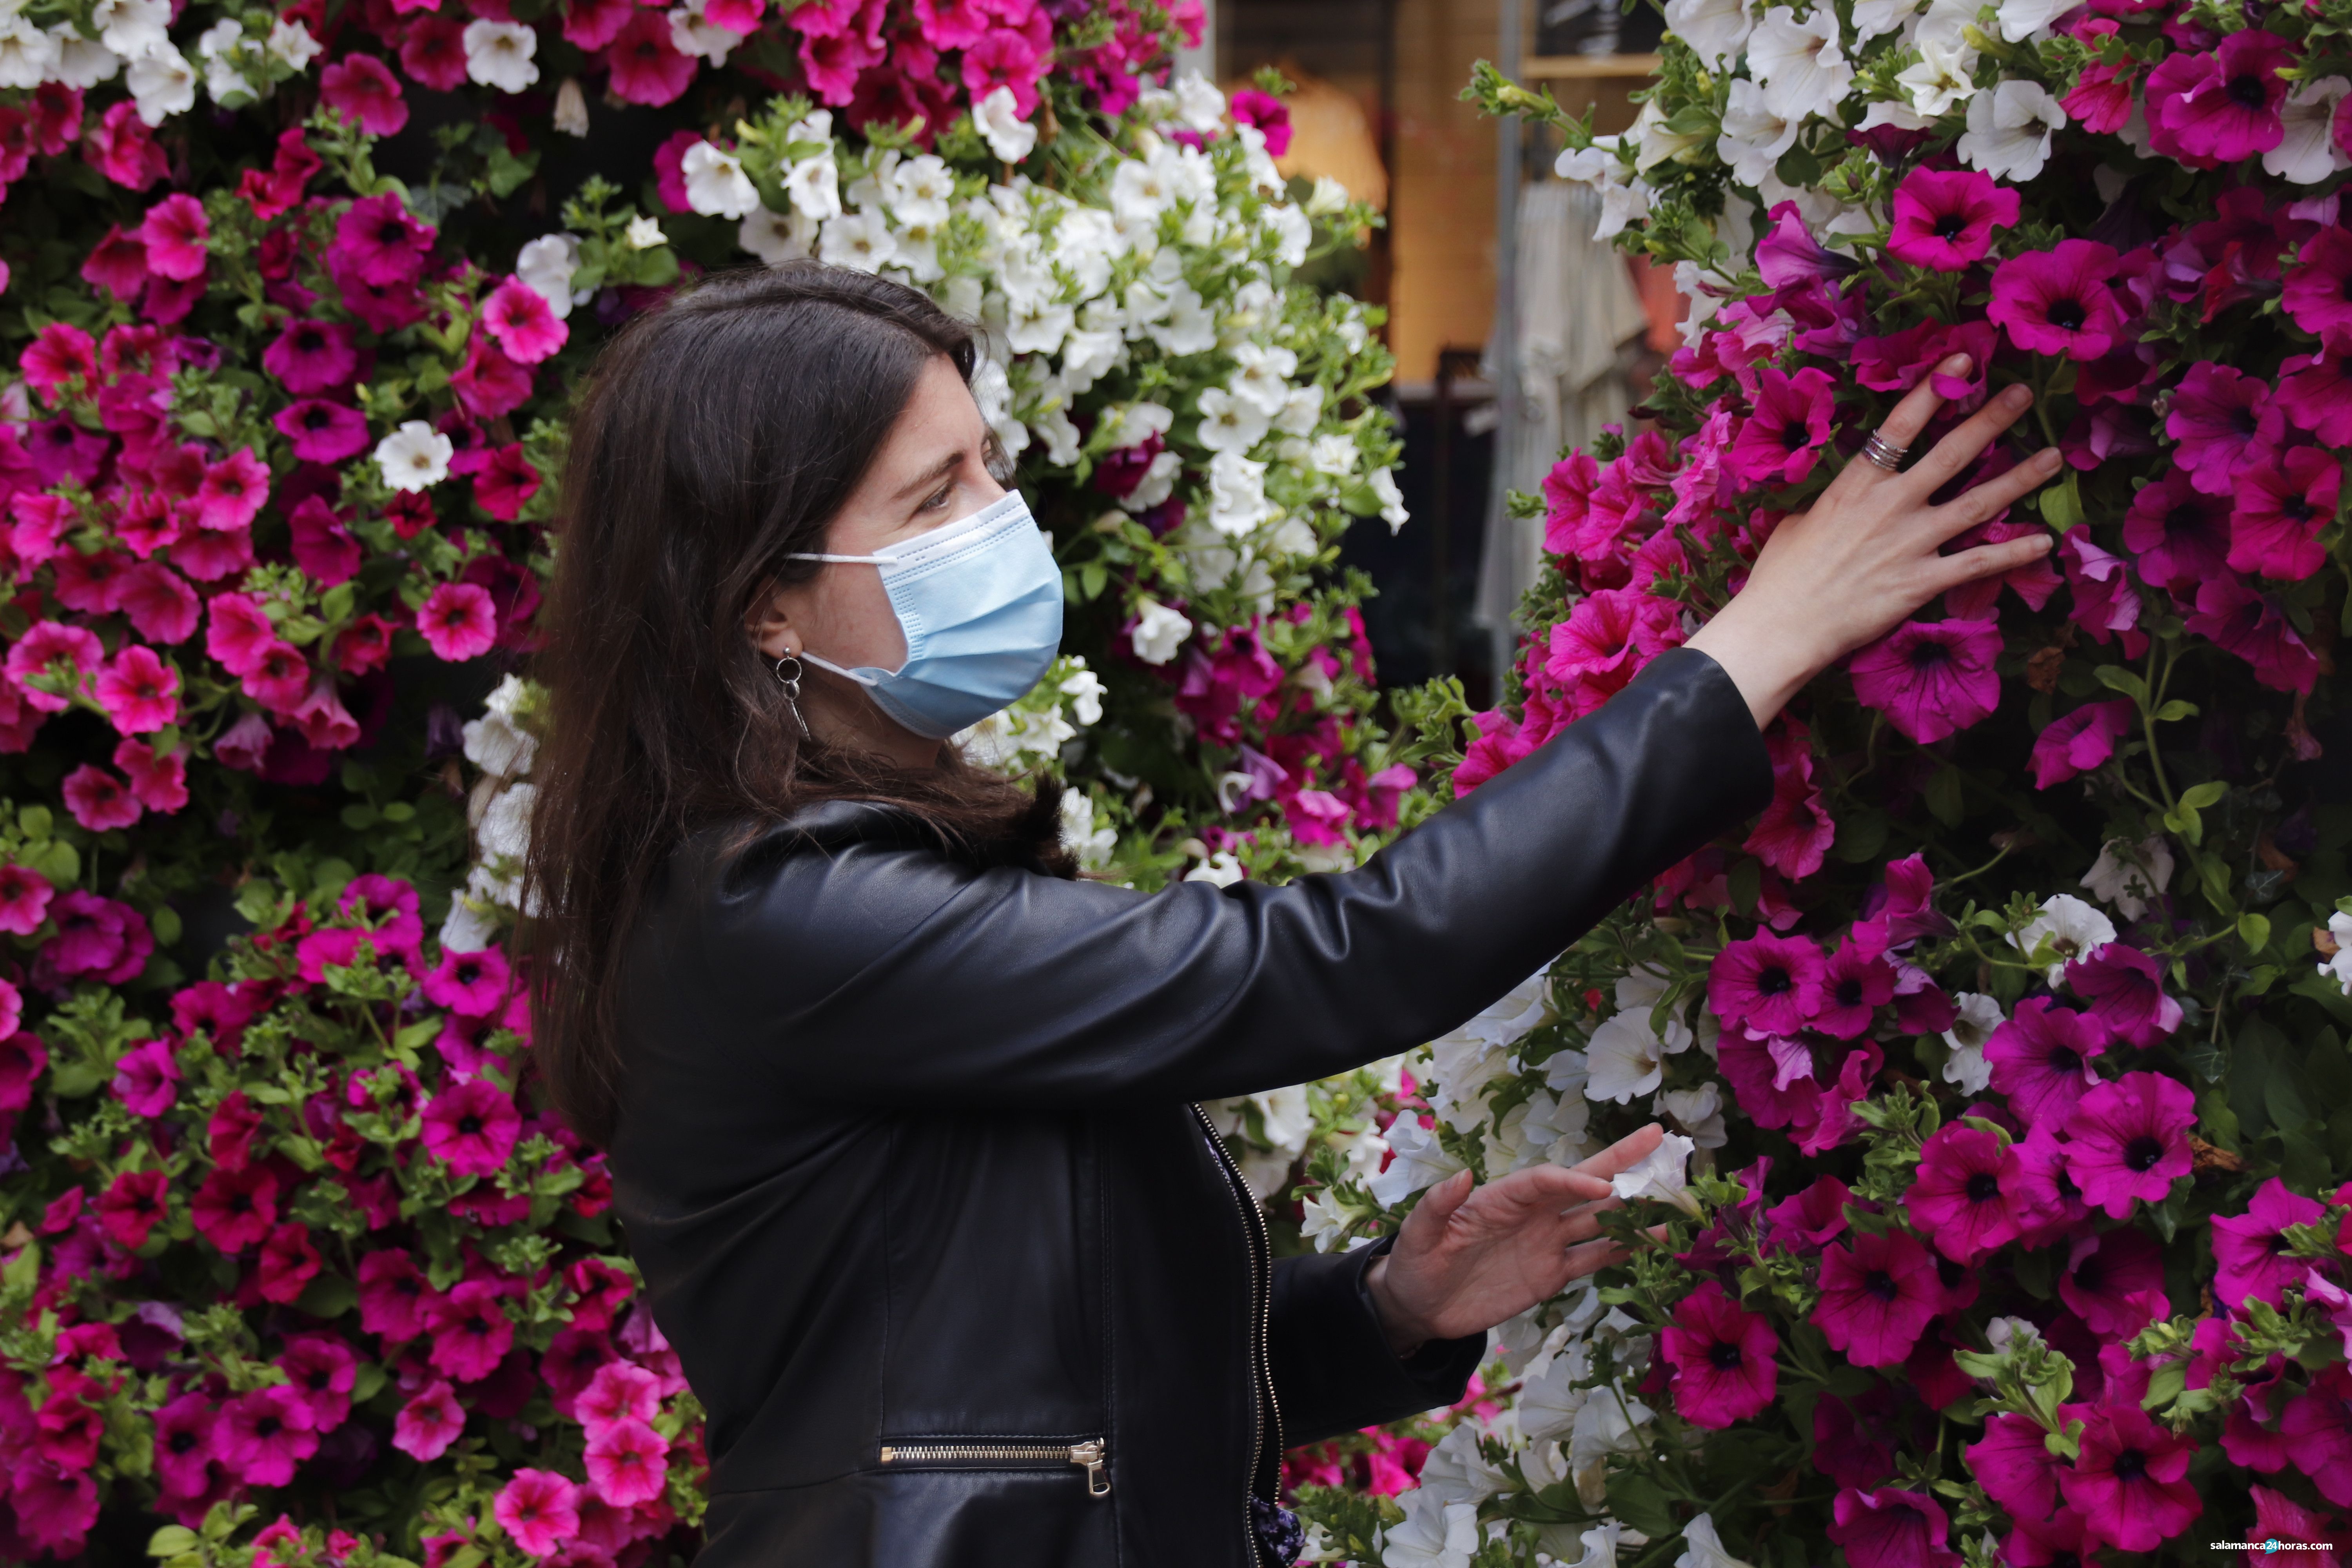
{"x": 1333, "y": 1370}
{"x": 864, "y": 970}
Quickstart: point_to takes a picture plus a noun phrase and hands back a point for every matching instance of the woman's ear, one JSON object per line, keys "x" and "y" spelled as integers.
{"x": 772, "y": 625}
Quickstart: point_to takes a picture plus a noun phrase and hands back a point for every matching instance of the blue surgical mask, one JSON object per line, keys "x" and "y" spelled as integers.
{"x": 979, "y": 600}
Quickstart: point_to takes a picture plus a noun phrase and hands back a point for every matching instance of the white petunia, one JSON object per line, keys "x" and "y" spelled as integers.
{"x": 1238, "y": 503}
{"x": 82, "y": 63}
{"x": 498, "y": 54}
{"x": 2023, "y": 19}
{"x": 1661, "y": 1175}
{"x": 1231, "y": 423}
{"x": 291, "y": 45}
{"x": 498, "y": 746}
{"x": 815, "y": 186}
{"x": 716, "y": 185}
{"x": 1433, "y": 1535}
{"x": 1715, "y": 29}
{"x": 161, "y": 82}
{"x": 1800, "y": 62}
{"x": 1261, "y": 377}
{"x": 1158, "y": 483}
{"x": 1947, "y": 23}
{"x": 1199, "y": 104}
{"x": 127, "y": 26}
{"x": 414, "y": 457}
{"x": 922, "y": 192}
{"x": 1189, "y": 326}
{"x": 570, "y": 115}
{"x": 1159, "y": 632}
{"x": 2308, "y": 153}
{"x": 1093, "y": 846}
{"x": 1038, "y": 327}
{"x": 504, "y": 830}
{"x": 1455, "y": 1471}
{"x": 1335, "y": 455}
{"x": 1600, "y": 1543}
{"x": 1974, "y": 1018}
{"x": 2010, "y": 129}
{"x": 1624, "y": 1058}
{"x": 2070, "y": 926}
{"x": 777, "y": 238}
{"x": 1754, "y": 135}
{"x": 1703, "y": 1548}
{"x": 1302, "y": 411}
{"x": 1086, "y": 691}
{"x": 218, "y": 47}
{"x": 1420, "y": 1162}
{"x": 545, "y": 266}
{"x": 1873, "y": 19}
{"x": 1063, "y": 437}
{"x": 1655, "y": 141}
{"x": 2129, "y": 876}
{"x": 1293, "y": 231}
{"x": 859, "y": 239}
{"x": 1219, "y": 870}
{"x": 698, "y": 36}
{"x": 1944, "y": 78}
{"x": 2338, "y": 967}
{"x": 998, "y": 120}
{"x": 1609, "y": 1423}
{"x": 1327, "y": 199}
{"x": 1391, "y": 500}
{"x": 1697, "y": 1112}
{"x": 644, "y": 233}
{"x": 1126, "y": 424}
{"x": 1143, "y": 188}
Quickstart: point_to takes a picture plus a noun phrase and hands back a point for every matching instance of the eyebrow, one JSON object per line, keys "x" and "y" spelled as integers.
{"x": 933, "y": 475}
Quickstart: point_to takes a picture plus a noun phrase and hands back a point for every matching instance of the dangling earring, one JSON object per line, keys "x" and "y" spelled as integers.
{"x": 791, "y": 684}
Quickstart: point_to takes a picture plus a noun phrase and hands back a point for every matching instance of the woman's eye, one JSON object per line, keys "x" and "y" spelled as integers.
{"x": 939, "y": 498}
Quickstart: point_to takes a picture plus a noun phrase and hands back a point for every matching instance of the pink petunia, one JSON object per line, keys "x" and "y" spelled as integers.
{"x": 1781, "y": 440}
{"x": 2281, "y": 508}
{"x": 1878, "y": 1296}
{"x": 628, "y": 1463}
{"x": 472, "y": 1127}
{"x": 34, "y": 662}
{"x": 618, "y": 1392}
{"x": 953, "y": 24}
{"x": 99, "y": 937}
{"x": 54, "y": 1505}
{"x": 645, "y": 67}
{"x": 1794, "y": 834}
{"x": 138, "y": 692}
{"x": 519, "y": 318}
{"x": 2317, "y": 295}
{"x": 289, "y": 1262}
{"x": 471, "y": 1334}
{"x": 396, "y": 1299}
{"x": 2040, "y": 1058}
{"x": 2128, "y": 1141}
{"x": 1724, "y": 1358}
{"x": 458, "y": 621}
{"x": 162, "y": 606}
{"x": 2211, "y": 107}
{"x": 1891, "y": 1528}
{"x": 174, "y": 233}
{"x": 1004, "y": 58}
{"x": 1945, "y": 219}
{"x": 2219, "y": 420}
{"x": 538, "y": 1510}
{"x": 505, "y": 483}
{"x": 2057, "y": 302}
{"x": 2130, "y": 1484}
{"x": 22, "y": 1060}
{"x": 2251, "y": 1248}
{"x": 1960, "y": 1199}
{"x": 322, "y": 432}
{"x": 360, "y": 87}
{"x": 264, "y": 1435}
{"x": 118, "y": 264}
{"x": 234, "y": 490}
{"x": 279, "y": 678}
{"x": 2315, "y": 392}
{"x": 2015, "y": 1467}
{"x": 1610, "y": 634}
{"x": 24, "y": 896}
{"x": 158, "y": 784}
{"x": 382, "y": 242}
{"x": 322, "y": 546}
{"x": 2126, "y": 990}
{"x": 237, "y": 632}
{"x": 98, "y": 800}
{"x": 1269, "y": 114}
{"x": 433, "y": 51}
{"x": 428, "y": 1423}
{"x": 122, "y": 147}
{"x": 146, "y": 1080}
{"x": 473, "y": 984}
{"x": 129, "y": 1209}
{"x": 1771, "y": 984}
{"x": 2178, "y": 537}
{"x": 2077, "y": 743}
{"x": 1930, "y": 679}
{"x": 234, "y": 1209}
{"x": 2254, "y": 626}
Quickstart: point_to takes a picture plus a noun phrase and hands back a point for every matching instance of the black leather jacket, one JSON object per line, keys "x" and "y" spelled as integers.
{"x": 909, "y": 1157}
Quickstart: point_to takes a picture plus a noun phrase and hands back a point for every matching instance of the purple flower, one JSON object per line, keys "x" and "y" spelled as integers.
{"x": 1781, "y": 440}
{"x": 1769, "y": 982}
{"x": 2281, "y": 508}
{"x": 2130, "y": 1485}
{"x": 2219, "y": 416}
{"x": 2056, "y": 302}
{"x": 2126, "y": 990}
{"x": 2081, "y": 740}
{"x": 2205, "y": 108}
{"x": 2251, "y": 1247}
{"x": 263, "y": 1434}
{"x": 2128, "y": 1141}
{"x": 472, "y": 1127}
{"x": 1960, "y": 1198}
{"x": 1892, "y": 1528}
{"x": 1787, "y": 254}
{"x": 1878, "y": 1296}
{"x": 147, "y": 1078}
{"x": 2319, "y": 293}
{"x": 2114, "y": 1282}
{"x": 1722, "y": 1356}
{"x": 2040, "y": 1058}
{"x": 2016, "y": 1470}
{"x": 1943, "y": 218}
{"x": 2315, "y": 392}
{"x": 322, "y": 432}
{"x": 1931, "y": 679}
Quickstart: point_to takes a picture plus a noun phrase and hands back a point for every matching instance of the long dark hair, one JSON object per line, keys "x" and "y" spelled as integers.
{"x": 718, "y": 436}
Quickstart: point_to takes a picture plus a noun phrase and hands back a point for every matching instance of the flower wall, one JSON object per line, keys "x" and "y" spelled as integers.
{"x": 2004, "y": 1058}
{"x": 296, "y": 1266}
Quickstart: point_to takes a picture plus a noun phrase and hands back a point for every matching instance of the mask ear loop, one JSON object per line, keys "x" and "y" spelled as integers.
{"x": 792, "y": 685}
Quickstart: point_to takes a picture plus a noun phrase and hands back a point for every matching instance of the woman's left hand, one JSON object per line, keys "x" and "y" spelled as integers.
{"x": 1469, "y": 1257}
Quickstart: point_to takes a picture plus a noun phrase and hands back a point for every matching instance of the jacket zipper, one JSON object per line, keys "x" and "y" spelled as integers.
{"x": 1261, "y": 1313}
{"x": 1091, "y": 1455}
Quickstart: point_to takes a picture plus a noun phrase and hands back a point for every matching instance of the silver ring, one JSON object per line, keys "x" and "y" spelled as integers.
{"x": 1883, "y": 453}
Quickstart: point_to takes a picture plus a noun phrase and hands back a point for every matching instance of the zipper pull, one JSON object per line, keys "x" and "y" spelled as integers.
{"x": 1091, "y": 1455}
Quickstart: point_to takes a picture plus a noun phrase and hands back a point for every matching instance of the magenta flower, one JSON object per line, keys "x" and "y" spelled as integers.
{"x": 288, "y": 1263}
{"x": 138, "y": 692}
{"x": 471, "y": 1333}
{"x": 322, "y": 432}
{"x": 458, "y": 621}
{"x": 238, "y": 632}
{"x": 2056, "y": 302}
{"x": 2317, "y": 1429}
{"x": 645, "y": 68}
{"x": 361, "y": 88}
{"x": 2219, "y": 418}
{"x": 279, "y": 678}
{"x": 1892, "y": 1528}
{"x": 2318, "y": 292}
{"x": 2014, "y": 1467}
{"x": 952, "y": 24}
{"x": 2315, "y": 392}
{"x": 433, "y": 49}
{"x": 1723, "y": 1358}
{"x": 628, "y": 1463}
{"x": 2081, "y": 740}
{"x": 98, "y": 800}
{"x": 2251, "y": 1247}
{"x": 2254, "y": 626}
{"x": 158, "y": 784}
{"x": 1931, "y": 679}
{"x": 264, "y": 1435}
{"x": 131, "y": 1206}
{"x": 1781, "y": 440}
{"x": 184, "y": 1443}
{"x": 1787, "y": 254}
{"x": 2281, "y": 508}
{"x": 146, "y": 1079}
{"x": 1960, "y": 1198}
{"x": 322, "y": 546}
{"x": 2126, "y": 990}
{"x": 1610, "y": 634}
{"x": 53, "y": 655}
{"x": 2129, "y": 1484}
{"x": 1878, "y": 1296}
{"x": 311, "y": 357}
{"x": 118, "y": 264}
{"x": 25, "y": 897}
{"x": 174, "y": 233}
{"x": 1794, "y": 834}
{"x": 54, "y": 1505}
{"x": 98, "y": 937}
{"x": 234, "y": 1209}
{"x": 1004, "y": 58}
{"x": 519, "y": 318}
{"x": 618, "y": 1392}
{"x": 233, "y": 490}
{"x": 2218, "y": 108}
{"x": 2040, "y": 1058}
{"x": 472, "y": 1127}
{"x": 507, "y": 481}
{"x": 428, "y": 1423}
{"x": 324, "y": 1371}
{"x": 2114, "y": 1282}
{"x": 1944, "y": 219}
{"x": 1855, "y": 983}
{"x": 1771, "y": 984}
{"x": 473, "y": 984}
{"x": 383, "y": 244}
{"x": 162, "y": 606}
{"x": 2128, "y": 1141}
{"x": 396, "y": 1299}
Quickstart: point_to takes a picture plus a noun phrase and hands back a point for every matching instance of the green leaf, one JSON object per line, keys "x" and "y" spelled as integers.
{"x": 2116, "y": 677}
{"x": 166, "y": 922}
{"x": 171, "y": 1541}
{"x": 2200, "y": 797}
{"x": 56, "y": 860}
{"x": 2254, "y": 930}
{"x": 35, "y": 822}
{"x": 1944, "y": 796}
{"x": 2062, "y": 504}
{"x": 1746, "y": 885}
{"x": 328, "y": 1296}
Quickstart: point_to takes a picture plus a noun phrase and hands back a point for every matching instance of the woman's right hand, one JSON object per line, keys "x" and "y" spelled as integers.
{"x": 1848, "y": 571}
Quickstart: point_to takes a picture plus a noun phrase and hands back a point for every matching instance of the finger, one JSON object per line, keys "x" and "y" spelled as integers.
{"x": 1627, "y": 1151}
{"x": 1920, "y": 404}
{"x": 1959, "y": 450}
{"x": 1996, "y": 495}
{"x": 1540, "y": 1186}
{"x": 1577, "y": 1224}
{"x": 1988, "y": 560}
{"x": 1591, "y": 1257}
{"x": 1436, "y": 1206}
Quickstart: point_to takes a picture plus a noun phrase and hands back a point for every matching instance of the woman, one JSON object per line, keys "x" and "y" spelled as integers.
{"x": 900, "y": 1114}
